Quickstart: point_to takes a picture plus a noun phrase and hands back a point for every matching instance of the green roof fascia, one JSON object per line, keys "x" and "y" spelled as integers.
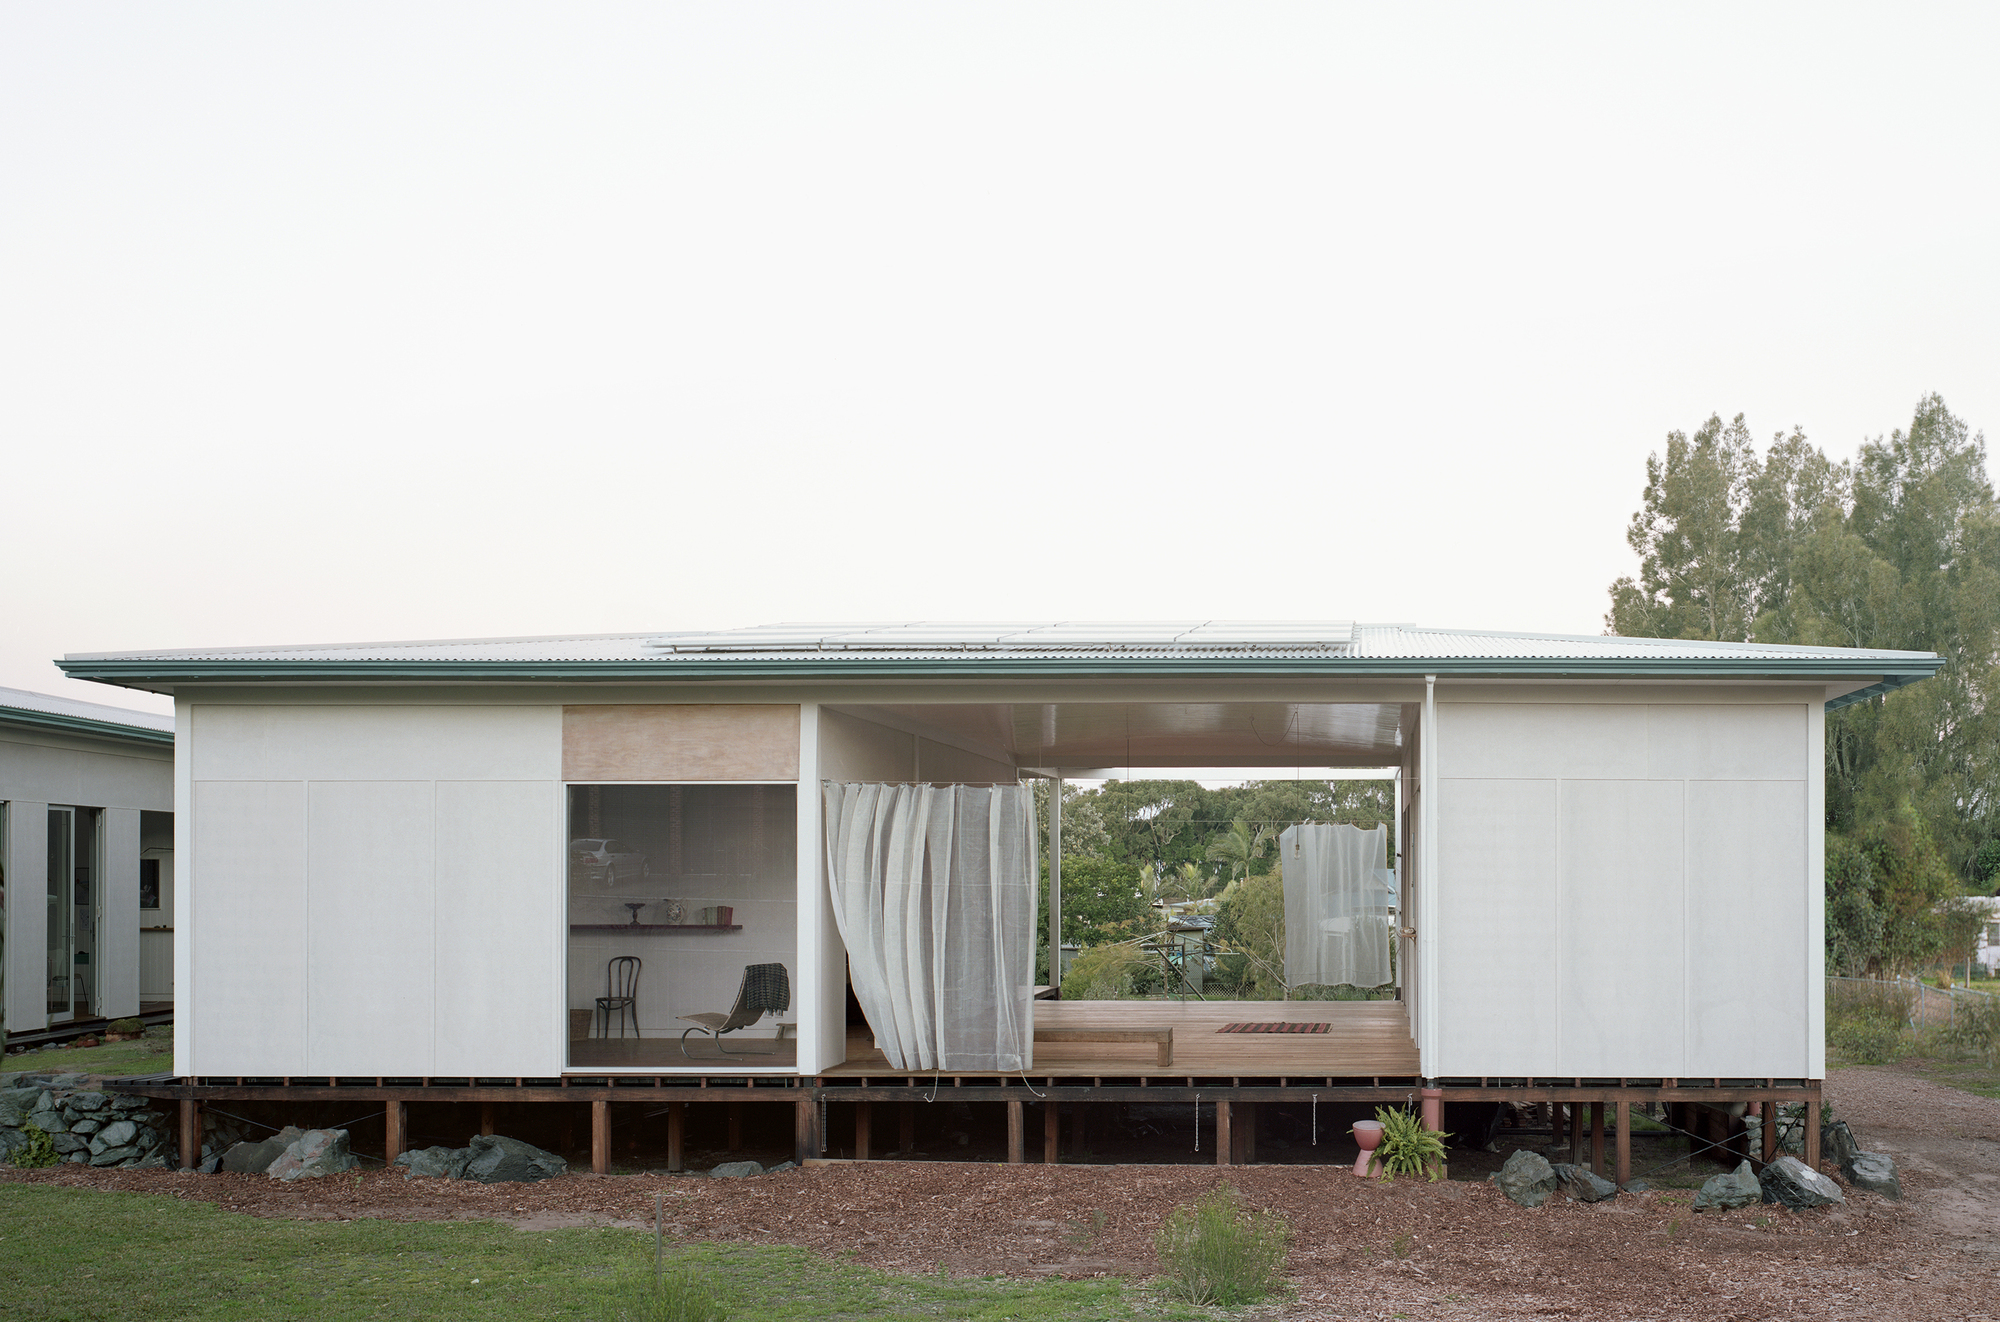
{"x": 48, "y": 720}
{"x": 1894, "y": 673}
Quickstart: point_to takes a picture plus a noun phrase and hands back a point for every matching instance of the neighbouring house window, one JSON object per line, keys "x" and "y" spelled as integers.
{"x": 682, "y": 901}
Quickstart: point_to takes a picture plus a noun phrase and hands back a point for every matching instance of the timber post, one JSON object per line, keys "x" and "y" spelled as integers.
{"x": 1624, "y": 1120}
{"x": 1016, "y": 1135}
{"x": 600, "y": 1137}
{"x": 395, "y": 1119}
{"x": 864, "y": 1130}
{"x": 190, "y": 1133}
{"x": 1224, "y": 1137}
{"x": 1597, "y": 1139}
{"x": 676, "y": 1136}
{"x": 1768, "y": 1138}
{"x": 1051, "y": 1132}
{"x": 805, "y": 1130}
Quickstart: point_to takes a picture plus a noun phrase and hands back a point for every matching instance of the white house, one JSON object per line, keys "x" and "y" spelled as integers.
{"x": 86, "y": 862}
{"x": 422, "y": 861}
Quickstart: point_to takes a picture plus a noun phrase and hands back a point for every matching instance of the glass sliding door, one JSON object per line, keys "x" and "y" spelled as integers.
{"x": 62, "y": 913}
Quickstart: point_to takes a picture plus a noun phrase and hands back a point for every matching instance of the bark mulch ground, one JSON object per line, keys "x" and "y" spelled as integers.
{"x": 1361, "y": 1249}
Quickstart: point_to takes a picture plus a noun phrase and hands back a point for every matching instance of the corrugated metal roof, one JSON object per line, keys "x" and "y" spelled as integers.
{"x": 1211, "y": 648}
{"x": 70, "y": 710}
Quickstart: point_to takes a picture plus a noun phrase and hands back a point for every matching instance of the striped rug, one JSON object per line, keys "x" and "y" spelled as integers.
{"x": 1320, "y": 1027}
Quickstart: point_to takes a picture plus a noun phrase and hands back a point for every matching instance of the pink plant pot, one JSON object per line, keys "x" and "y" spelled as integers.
{"x": 1368, "y": 1133}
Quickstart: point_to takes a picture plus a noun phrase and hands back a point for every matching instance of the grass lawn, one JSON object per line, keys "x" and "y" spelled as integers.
{"x": 83, "y": 1255}
{"x": 146, "y": 1056}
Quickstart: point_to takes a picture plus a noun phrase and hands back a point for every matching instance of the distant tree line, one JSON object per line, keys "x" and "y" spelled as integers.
{"x": 1898, "y": 549}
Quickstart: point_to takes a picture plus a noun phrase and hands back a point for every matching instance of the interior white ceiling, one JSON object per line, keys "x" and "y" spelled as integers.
{"x": 1158, "y": 734}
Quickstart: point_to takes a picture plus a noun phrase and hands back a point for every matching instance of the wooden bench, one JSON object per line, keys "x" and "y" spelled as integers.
{"x": 1163, "y": 1037}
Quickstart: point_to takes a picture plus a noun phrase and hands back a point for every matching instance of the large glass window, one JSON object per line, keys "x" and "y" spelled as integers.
{"x": 683, "y": 920}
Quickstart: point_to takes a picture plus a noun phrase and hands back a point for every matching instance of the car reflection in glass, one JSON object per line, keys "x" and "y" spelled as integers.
{"x": 604, "y": 863}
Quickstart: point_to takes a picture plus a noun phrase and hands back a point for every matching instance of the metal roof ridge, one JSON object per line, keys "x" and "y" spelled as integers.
{"x": 201, "y": 652}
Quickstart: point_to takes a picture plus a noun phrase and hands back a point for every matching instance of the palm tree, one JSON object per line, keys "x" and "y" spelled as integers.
{"x": 1238, "y": 845}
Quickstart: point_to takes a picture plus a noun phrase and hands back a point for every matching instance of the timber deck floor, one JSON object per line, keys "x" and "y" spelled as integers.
{"x": 1363, "y": 1038}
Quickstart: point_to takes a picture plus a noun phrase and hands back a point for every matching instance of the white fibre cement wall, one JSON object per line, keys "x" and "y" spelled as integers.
{"x": 1629, "y": 889}
{"x": 370, "y": 890}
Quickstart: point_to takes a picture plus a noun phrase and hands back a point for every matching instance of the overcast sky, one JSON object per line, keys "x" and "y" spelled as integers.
{"x": 350, "y": 322}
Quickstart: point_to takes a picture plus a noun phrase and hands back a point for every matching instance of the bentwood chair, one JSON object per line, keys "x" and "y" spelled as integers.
{"x": 621, "y": 988}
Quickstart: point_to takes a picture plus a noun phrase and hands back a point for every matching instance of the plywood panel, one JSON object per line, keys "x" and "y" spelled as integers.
{"x": 1621, "y": 940}
{"x": 1540, "y": 741}
{"x": 338, "y": 742}
{"x": 1727, "y": 742}
{"x": 680, "y": 742}
{"x": 1748, "y": 891}
{"x": 851, "y": 749}
{"x": 943, "y": 762}
{"x": 371, "y": 929}
{"x": 1496, "y": 910}
{"x": 248, "y": 905}
{"x": 498, "y": 889}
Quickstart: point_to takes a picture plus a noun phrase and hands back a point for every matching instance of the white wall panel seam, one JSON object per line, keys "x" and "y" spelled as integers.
{"x": 187, "y": 1009}
{"x": 1687, "y": 920}
{"x": 1815, "y": 883}
{"x": 1561, "y": 925}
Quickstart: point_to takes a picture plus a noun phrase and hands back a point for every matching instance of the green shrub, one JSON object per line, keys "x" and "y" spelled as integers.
{"x": 1103, "y": 973}
{"x": 125, "y": 1026}
{"x": 39, "y": 1150}
{"x": 1217, "y": 1252}
{"x": 1866, "y": 1021}
{"x": 678, "y": 1297}
{"x": 1407, "y": 1148}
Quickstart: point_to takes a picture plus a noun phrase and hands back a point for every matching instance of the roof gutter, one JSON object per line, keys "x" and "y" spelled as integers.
{"x": 48, "y": 720}
{"x": 139, "y": 672}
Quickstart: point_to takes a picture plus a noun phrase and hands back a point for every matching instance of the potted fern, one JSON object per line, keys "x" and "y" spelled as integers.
{"x": 1407, "y": 1146}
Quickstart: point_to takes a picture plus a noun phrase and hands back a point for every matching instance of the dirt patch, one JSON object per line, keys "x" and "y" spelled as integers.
{"x": 1361, "y": 1249}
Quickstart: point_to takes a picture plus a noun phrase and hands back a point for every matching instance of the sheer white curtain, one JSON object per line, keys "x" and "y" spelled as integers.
{"x": 1338, "y": 889}
{"x": 934, "y": 890}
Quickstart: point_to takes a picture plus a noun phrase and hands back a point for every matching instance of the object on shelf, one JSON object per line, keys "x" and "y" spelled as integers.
{"x": 672, "y": 911}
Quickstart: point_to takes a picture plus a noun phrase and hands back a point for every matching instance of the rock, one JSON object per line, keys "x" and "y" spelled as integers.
{"x": 65, "y": 1082}
{"x": 129, "y": 1103}
{"x": 1873, "y": 1171}
{"x": 1725, "y": 1193}
{"x": 312, "y": 1154}
{"x": 435, "y": 1163}
{"x": 256, "y": 1158}
{"x": 1527, "y": 1178}
{"x": 497, "y": 1159}
{"x": 86, "y": 1101}
{"x": 783, "y": 1166}
{"x": 1583, "y": 1185}
{"x": 112, "y": 1156}
{"x": 1837, "y": 1143}
{"x": 14, "y": 1108}
{"x": 118, "y": 1133}
{"x": 69, "y": 1144}
{"x": 1798, "y": 1186}
{"x": 736, "y": 1170}
{"x": 156, "y": 1162}
{"x": 208, "y": 1167}
{"x": 84, "y": 1127}
{"x": 49, "y": 1120}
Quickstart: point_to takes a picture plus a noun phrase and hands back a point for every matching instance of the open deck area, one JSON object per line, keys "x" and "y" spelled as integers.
{"x": 1362, "y": 1039}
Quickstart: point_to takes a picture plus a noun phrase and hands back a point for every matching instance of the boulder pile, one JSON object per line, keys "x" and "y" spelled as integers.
{"x": 489, "y": 1159}
{"x": 85, "y": 1127}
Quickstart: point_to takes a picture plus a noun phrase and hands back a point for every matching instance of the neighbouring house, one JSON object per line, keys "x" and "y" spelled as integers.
{"x": 86, "y": 863}
{"x": 1987, "y": 953}
{"x": 411, "y": 867}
